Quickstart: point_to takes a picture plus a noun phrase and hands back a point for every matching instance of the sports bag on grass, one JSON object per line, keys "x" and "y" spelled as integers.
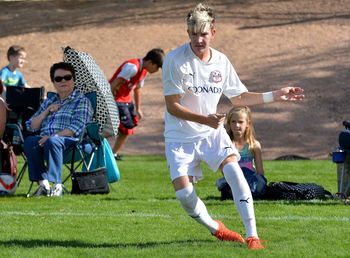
{"x": 113, "y": 174}
{"x": 295, "y": 191}
{"x": 105, "y": 158}
{"x": 8, "y": 158}
{"x": 91, "y": 182}
{"x": 8, "y": 169}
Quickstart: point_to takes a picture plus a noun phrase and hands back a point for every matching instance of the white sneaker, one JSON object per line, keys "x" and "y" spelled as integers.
{"x": 57, "y": 191}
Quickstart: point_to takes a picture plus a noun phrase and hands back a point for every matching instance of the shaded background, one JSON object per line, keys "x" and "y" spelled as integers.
{"x": 271, "y": 44}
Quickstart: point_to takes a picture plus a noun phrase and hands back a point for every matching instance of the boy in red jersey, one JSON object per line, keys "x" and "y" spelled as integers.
{"x": 129, "y": 77}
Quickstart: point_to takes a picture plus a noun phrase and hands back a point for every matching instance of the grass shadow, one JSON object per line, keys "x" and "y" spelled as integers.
{"x": 35, "y": 243}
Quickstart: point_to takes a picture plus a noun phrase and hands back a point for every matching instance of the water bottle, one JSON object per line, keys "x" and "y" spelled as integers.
{"x": 16, "y": 139}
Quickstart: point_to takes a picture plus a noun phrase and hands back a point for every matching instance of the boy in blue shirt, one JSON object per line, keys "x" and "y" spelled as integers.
{"x": 10, "y": 75}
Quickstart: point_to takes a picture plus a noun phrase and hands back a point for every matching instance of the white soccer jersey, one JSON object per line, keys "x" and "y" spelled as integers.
{"x": 200, "y": 85}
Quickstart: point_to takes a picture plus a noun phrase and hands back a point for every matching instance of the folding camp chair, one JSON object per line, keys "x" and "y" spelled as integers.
{"x": 23, "y": 103}
{"x": 87, "y": 154}
{"x": 84, "y": 151}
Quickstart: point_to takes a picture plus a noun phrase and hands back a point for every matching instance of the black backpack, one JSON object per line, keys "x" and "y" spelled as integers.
{"x": 295, "y": 191}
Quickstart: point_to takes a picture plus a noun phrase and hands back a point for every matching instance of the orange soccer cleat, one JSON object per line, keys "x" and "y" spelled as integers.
{"x": 254, "y": 243}
{"x": 225, "y": 234}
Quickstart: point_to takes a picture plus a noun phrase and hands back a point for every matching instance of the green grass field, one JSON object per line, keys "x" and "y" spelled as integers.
{"x": 142, "y": 218}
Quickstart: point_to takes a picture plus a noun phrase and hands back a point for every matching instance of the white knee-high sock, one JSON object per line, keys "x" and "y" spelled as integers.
{"x": 242, "y": 196}
{"x": 196, "y": 208}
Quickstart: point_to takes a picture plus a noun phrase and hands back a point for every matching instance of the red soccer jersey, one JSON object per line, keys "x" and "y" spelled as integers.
{"x": 123, "y": 94}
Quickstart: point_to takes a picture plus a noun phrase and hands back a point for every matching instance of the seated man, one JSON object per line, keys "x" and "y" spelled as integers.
{"x": 60, "y": 120}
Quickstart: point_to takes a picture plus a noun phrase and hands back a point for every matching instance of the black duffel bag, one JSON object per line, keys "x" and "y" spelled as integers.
{"x": 295, "y": 191}
{"x": 91, "y": 182}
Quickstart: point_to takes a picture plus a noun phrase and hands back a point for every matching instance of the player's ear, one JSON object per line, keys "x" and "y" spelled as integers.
{"x": 213, "y": 32}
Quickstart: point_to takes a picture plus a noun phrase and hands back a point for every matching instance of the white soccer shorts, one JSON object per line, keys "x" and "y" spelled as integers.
{"x": 184, "y": 158}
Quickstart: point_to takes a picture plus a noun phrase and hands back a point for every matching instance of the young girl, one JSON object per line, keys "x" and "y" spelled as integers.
{"x": 239, "y": 126}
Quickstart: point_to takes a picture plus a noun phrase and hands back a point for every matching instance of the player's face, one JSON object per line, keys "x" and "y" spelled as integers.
{"x": 152, "y": 68}
{"x": 200, "y": 41}
{"x": 239, "y": 124}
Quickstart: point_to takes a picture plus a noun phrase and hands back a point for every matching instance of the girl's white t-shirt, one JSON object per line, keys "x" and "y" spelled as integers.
{"x": 200, "y": 85}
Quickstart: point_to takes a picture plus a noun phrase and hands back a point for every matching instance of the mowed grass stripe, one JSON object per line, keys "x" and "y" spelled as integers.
{"x": 153, "y": 215}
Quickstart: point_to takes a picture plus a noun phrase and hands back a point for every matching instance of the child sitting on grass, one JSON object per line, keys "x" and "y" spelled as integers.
{"x": 239, "y": 126}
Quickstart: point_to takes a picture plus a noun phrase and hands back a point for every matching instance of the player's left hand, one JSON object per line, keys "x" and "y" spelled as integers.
{"x": 289, "y": 94}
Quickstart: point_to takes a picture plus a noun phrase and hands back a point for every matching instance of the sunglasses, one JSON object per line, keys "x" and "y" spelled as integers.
{"x": 60, "y": 78}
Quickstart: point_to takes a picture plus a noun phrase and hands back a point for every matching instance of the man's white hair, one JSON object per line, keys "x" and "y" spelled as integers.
{"x": 200, "y": 18}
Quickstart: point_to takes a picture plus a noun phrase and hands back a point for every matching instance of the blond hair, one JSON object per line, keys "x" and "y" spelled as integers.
{"x": 200, "y": 18}
{"x": 249, "y": 134}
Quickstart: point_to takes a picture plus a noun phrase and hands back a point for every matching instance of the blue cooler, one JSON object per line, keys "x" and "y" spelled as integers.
{"x": 338, "y": 156}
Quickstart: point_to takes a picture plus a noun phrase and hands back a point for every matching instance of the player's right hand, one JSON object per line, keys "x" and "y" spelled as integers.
{"x": 215, "y": 120}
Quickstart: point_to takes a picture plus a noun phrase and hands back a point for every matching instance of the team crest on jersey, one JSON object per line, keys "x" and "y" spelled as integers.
{"x": 215, "y": 76}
